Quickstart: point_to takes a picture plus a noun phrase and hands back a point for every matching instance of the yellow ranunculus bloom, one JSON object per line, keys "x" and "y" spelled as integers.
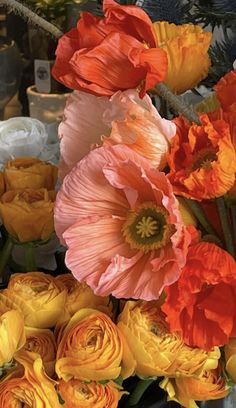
{"x": 42, "y": 342}
{"x": 157, "y": 351}
{"x": 32, "y": 389}
{"x": 80, "y": 295}
{"x": 186, "y": 213}
{"x": 185, "y": 390}
{"x": 40, "y": 297}
{"x": 28, "y": 172}
{"x": 230, "y": 357}
{"x": 78, "y": 394}
{"x": 187, "y": 47}
{"x": 12, "y": 333}
{"x": 28, "y": 215}
{"x": 92, "y": 348}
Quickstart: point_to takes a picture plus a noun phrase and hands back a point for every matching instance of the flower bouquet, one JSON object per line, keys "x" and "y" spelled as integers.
{"x": 145, "y": 314}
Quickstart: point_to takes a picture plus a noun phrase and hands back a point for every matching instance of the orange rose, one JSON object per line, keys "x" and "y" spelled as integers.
{"x": 202, "y": 159}
{"x": 184, "y": 390}
{"x": 230, "y": 357}
{"x": 28, "y": 172}
{"x": 92, "y": 348}
{"x": 42, "y": 342}
{"x": 32, "y": 389}
{"x": 156, "y": 350}
{"x": 40, "y": 297}
{"x": 186, "y": 46}
{"x": 80, "y": 295}
{"x": 28, "y": 215}
{"x": 12, "y": 333}
{"x": 78, "y": 394}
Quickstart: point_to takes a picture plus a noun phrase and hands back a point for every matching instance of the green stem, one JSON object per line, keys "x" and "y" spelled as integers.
{"x": 176, "y": 104}
{"x": 5, "y": 255}
{"x": 199, "y": 214}
{"x": 30, "y": 263}
{"x": 138, "y": 392}
{"x": 224, "y": 219}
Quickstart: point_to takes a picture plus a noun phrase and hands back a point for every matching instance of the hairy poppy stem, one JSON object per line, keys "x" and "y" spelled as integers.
{"x": 176, "y": 104}
{"x": 5, "y": 254}
{"x": 30, "y": 264}
{"x": 32, "y": 17}
{"x": 199, "y": 214}
{"x": 224, "y": 219}
{"x": 139, "y": 390}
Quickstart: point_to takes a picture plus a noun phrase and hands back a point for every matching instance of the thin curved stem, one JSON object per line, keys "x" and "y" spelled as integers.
{"x": 32, "y": 17}
{"x": 176, "y": 104}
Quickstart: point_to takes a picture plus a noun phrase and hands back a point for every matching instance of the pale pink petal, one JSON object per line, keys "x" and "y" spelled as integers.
{"x": 85, "y": 190}
{"x": 81, "y": 127}
{"x": 143, "y": 131}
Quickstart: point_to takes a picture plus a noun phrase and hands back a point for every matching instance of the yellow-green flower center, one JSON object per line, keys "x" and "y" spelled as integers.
{"x": 147, "y": 227}
{"x": 204, "y": 158}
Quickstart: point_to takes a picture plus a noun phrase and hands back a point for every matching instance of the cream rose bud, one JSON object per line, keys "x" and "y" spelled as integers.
{"x": 24, "y": 137}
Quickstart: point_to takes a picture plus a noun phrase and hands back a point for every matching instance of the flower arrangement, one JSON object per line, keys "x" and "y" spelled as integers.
{"x": 146, "y": 211}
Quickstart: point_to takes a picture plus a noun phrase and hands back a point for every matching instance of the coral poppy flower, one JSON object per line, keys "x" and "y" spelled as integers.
{"x": 121, "y": 223}
{"x": 124, "y": 118}
{"x": 186, "y": 46}
{"x": 104, "y": 55}
{"x": 202, "y": 159}
{"x": 201, "y": 305}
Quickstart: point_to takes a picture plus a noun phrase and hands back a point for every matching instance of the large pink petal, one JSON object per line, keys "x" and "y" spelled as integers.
{"x": 81, "y": 127}
{"x": 85, "y": 190}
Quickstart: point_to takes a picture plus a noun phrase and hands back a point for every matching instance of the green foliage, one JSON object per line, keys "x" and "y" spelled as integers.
{"x": 174, "y": 11}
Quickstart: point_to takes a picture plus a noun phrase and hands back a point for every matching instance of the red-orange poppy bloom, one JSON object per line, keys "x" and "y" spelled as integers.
{"x": 226, "y": 89}
{"x": 105, "y": 54}
{"x": 202, "y": 159}
{"x": 201, "y": 305}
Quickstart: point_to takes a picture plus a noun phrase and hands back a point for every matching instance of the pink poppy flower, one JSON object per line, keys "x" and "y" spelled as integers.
{"x": 121, "y": 223}
{"x": 124, "y": 118}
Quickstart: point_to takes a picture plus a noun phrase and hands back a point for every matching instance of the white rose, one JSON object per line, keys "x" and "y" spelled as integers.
{"x": 23, "y": 136}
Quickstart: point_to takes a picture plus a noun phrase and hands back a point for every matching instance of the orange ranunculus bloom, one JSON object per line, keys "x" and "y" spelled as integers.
{"x": 78, "y": 394}
{"x": 202, "y": 159}
{"x": 28, "y": 172}
{"x": 80, "y": 295}
{"x": 201, "y": 305}
{"x": 31, "y": 389}
{"x": 185, "y": 390}
{"x": 186, "y": 47}
{"x": 156, "y": 350}
{"x": 230, "y": 358}
{"x": 27, "y": 214}
{"x": 104, "y": 55}
{"x": 12, "y": 333}
{"x": 42, "y": 342}
{"x": 40, "y": 297}
{"x": 92, "y": 348}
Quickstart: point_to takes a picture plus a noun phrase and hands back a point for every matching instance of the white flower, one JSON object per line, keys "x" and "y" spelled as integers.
{"x": 23, "y": 136}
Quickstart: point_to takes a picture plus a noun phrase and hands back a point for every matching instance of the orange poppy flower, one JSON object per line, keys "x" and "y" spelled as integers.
{"x": 104, "y": 55}
{"x": 201, "y": 305}
{"x": 226, "y": 89}
{"x": 202, "y": 159}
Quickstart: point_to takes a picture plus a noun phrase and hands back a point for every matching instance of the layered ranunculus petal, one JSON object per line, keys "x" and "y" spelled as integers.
{"x": 12, "y": 333}
{"x": 40, "y": 297}
{"x": 156, "y": 350}
{"x": 108, "y": 191}
{"x": 32, "y": 389}
{"x": 92, "y": 348}
{"x": 77, "y": 394}
{"x": 202, "y": 304}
